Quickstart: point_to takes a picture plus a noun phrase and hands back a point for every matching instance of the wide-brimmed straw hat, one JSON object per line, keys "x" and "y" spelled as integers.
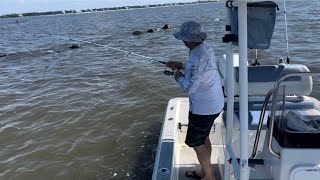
{"x": 190, "y": 31}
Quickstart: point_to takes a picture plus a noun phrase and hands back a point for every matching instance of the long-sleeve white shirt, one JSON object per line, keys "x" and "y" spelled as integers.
{"x": 201, "y": 82}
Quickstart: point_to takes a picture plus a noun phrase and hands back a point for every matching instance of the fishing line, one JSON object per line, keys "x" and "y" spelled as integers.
{"x": 166, "y": 72}
{"x": 105, "y": 46}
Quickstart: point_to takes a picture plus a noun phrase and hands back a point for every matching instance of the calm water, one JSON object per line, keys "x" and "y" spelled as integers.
{"x": 95, "y": 113}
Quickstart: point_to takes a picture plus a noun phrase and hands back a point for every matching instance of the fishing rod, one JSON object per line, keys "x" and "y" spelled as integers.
{"x": 166, "y": 72}
{"x": 286, "y": 24}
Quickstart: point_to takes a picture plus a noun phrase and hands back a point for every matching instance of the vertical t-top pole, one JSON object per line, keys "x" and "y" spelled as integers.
{"x": 230, "y": 95}
{"x": 243, "y": 80}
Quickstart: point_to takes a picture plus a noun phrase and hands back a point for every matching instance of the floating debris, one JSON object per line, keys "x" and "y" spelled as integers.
{"x": 166, "y": 27}
{"x": 150, "y": 31}
{"x": 137, "y": 33}
{"x": 75, "y": 46}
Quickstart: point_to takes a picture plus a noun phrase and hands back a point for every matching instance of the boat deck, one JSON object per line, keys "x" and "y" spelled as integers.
{"x": 177, "y": 158}
{"x": 189, "y": 162}
{"x": 187, "y": 159}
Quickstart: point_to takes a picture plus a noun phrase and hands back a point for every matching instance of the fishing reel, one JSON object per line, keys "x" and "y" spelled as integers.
{"x": 168, "y": 73}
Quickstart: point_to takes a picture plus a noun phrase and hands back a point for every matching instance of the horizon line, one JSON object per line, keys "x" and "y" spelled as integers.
{"x": 72, "y": 11}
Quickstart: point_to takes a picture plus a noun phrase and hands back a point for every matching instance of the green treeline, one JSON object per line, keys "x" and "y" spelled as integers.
{"x": 96, "y": 9}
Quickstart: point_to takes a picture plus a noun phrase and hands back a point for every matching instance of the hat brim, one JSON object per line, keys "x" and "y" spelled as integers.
{"x": 190, "y": 37}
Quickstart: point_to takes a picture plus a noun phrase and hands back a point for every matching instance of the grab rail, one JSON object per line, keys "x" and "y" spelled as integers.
{"x": 264, "y": 106}
{"x": 273, "y": 106}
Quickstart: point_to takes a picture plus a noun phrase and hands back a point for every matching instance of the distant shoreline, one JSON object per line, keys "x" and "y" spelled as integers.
{"x": 16, "y": 15}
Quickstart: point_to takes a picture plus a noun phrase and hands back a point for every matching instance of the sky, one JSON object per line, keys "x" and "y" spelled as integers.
{"x": 22, "y": 6}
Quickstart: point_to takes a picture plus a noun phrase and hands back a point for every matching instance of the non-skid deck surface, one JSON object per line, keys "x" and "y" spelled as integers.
{"x": 189, "y": 162}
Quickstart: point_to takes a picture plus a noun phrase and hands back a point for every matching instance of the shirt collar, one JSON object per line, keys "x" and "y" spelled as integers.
{"x": 196, "y": 48}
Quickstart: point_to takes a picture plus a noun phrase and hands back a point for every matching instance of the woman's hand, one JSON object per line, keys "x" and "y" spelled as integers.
{"x": 177, "y": 75}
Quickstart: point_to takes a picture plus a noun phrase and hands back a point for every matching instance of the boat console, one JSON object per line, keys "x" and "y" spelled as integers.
{"x": 296, "y": 127}
{"x": 291, "y": 148}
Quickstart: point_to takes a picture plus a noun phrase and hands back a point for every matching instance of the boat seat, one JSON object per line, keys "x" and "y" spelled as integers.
{"x": 290, "y": 104}
{"x": 298, "y": 129}
{"x": 261, "y": 79}
{"x": 254, "y": 110}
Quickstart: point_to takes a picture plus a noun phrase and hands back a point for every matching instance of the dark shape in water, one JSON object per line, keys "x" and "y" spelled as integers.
{"x": 137, "y": 33}
{"x": 166, "y": 27}
{"x": 75, "y": 46}
{"x": 3, "y": 55}
{"x": 150, "y": 31}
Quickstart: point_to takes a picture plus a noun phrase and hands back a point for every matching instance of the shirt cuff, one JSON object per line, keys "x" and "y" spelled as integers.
{"x": 180, "y": 79}
{"x": 183, "y": 65}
